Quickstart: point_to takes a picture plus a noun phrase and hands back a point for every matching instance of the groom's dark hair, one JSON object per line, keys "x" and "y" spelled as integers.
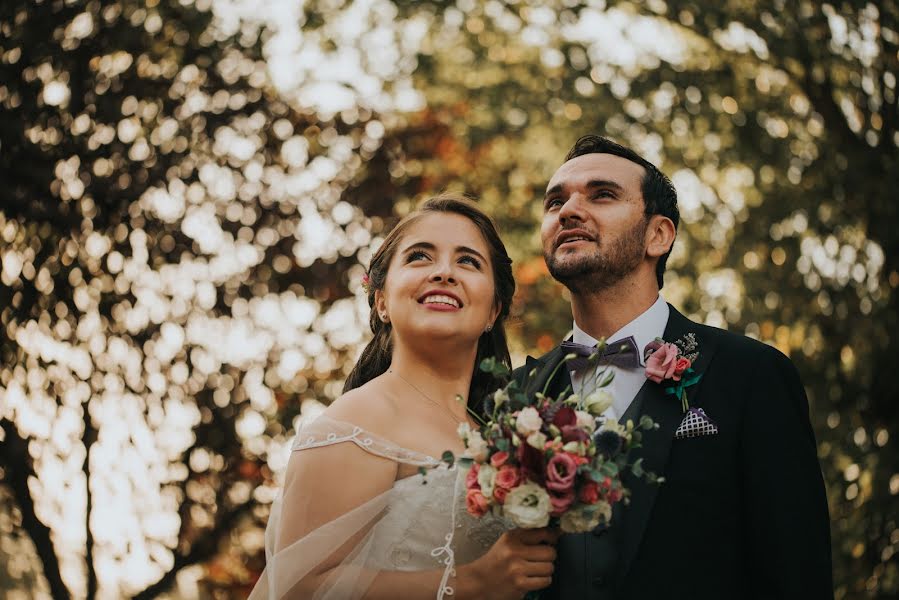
{"x": 659, "y": 195}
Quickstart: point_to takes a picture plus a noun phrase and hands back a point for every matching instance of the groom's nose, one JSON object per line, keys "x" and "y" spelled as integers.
{"x": 572, "y": 209}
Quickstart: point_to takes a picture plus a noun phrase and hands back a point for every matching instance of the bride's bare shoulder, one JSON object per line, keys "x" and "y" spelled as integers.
{"x": 369, "y": 406}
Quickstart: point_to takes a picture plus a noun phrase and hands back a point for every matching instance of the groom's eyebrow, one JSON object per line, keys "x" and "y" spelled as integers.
{"x": 590, "y": 185}
{"x": 553, "y": 190}
{"x": 603, "y": 183}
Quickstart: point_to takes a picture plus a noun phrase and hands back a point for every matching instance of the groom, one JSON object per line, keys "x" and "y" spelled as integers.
{"x": 742, "y": 511}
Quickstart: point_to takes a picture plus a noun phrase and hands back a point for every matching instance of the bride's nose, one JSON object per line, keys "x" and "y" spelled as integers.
{"x": 442, "y": 272}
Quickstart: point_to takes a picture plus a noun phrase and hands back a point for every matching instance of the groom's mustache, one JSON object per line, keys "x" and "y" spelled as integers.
{"x": 573, "y": 233}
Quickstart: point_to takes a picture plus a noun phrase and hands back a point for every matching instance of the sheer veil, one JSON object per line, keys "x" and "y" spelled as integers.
{"x": 395, "y": 534}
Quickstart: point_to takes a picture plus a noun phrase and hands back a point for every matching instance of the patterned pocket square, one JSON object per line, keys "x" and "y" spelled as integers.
{"x": 695, "y": 424}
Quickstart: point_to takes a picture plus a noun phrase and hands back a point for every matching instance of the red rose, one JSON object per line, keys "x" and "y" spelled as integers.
{"x": 507, "y": 477}
{"x": 499, "y": 493}
{"x": 565, "y": 416}
{"x": 531, "y": 461}
{"x": 573, "y": 433}
{"x": 560, "y": 472}
{"x": 476, "y": 503}
{"x": 614, "y": 496}
{"x": 499, "y": 459}
{"x": 471, "y": 480}
{"x": 589, "y": 493}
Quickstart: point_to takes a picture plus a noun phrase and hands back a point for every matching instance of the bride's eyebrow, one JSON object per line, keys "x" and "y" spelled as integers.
{"x": 432, "y": 247}
{"x": 467, "y": 250}
{"x": 419, "y": 246}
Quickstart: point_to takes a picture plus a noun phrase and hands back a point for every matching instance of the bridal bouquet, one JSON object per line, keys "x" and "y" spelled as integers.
{"x": 538, "y": 461}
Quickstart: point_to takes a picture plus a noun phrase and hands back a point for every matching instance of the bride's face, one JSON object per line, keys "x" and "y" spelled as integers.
{"x": 440, "y": 281}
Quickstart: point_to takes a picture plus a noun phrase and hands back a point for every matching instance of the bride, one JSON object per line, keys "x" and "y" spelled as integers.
{"x": 368, "y": 510}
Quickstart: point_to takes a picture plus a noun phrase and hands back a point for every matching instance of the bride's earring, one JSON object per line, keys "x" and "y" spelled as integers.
{"x": 488, "y": 328}
{"x": 384, "y": 317}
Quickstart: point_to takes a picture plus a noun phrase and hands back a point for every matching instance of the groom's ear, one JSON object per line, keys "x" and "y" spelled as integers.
{"x": 660, "y": 234}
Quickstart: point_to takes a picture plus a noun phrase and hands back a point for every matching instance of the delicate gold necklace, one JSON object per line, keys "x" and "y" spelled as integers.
{"x": 455, "y": 419}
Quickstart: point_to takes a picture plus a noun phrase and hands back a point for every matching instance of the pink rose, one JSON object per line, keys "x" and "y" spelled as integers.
{"x": 560, "y": 472}
{"x": 507, "y": 477}
{"x": 561, "y": 502}
{"x": 499, "y": 459}
{"x": 500, "y": 493}
{"x": 680, "y": 366}
{"x": 661, "y": 364}
{"x": 471, "y": 480}
{"x": 476, "y": 503}
{"x": 589, "y": 493}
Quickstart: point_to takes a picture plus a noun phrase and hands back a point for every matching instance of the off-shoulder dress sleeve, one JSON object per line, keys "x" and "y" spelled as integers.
{"x": 342, "y": 520}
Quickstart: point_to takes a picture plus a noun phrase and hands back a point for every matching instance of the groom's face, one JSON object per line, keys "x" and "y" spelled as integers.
{"x": 594, "y": 226}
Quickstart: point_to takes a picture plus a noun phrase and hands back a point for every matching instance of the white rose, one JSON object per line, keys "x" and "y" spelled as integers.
{"x": 585, "y": 517}
{"x": 537, "y": 440}
{"x": 528, "y": 421}
{"x": 528, "y": 506}
{"x": 486, "y": 479}
{"x": 585, "y": 420}
{"x": 598, "y": 402}
{"x": 476, "y": 447}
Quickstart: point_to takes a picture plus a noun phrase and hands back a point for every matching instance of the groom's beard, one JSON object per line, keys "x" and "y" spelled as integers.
{"x": 602, "y": 268}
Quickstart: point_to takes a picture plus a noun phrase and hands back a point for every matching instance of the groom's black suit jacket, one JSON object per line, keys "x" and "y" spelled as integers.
{"x": 741, "y": 514}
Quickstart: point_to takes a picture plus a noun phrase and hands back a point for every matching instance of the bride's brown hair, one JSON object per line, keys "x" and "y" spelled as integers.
{"x": 376, "y": 356}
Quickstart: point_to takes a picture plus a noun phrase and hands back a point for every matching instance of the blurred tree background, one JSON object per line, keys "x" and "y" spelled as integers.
{"x": 191, "y": 187}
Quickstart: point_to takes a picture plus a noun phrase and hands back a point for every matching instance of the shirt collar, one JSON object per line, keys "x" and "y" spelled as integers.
{"x": 645, "y": 328}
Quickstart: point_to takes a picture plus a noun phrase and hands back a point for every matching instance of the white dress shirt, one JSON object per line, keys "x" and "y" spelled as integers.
{"x": 627, "y": 382}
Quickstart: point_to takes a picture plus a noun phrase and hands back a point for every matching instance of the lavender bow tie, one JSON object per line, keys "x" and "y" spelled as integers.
{"x": 621, "y": 353}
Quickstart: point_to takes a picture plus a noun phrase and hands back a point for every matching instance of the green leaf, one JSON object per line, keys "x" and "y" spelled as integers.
{"x": 449, "y": 458}
{"x": 637, "y": 467}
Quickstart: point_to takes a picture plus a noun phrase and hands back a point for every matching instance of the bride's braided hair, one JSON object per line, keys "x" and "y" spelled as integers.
{"x": 376, "y": 356}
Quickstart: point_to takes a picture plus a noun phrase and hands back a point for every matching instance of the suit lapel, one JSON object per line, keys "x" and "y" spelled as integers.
{"x": 666, "y": 411}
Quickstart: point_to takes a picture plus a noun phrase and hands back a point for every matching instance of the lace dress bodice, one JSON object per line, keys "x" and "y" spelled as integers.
{"x": 412, "y": 535}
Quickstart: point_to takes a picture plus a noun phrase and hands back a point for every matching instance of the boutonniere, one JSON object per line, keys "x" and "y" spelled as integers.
{"x": 672, "y": 362}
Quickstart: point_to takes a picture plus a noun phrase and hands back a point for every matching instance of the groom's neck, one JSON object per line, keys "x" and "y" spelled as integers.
{"x": 602, "y": 313}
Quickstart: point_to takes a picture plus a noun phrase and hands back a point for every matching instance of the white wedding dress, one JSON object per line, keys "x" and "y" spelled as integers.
{"x": 413, "y": 534}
